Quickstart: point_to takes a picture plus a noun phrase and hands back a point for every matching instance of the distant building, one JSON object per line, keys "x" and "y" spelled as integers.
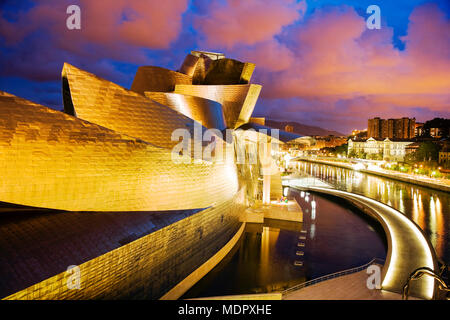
{"x": 411, "y": 148}
{"x": 436, "y": 132}
{"x": 403, "y": 128}
{"x": 418, "y": 129}
{"x": 444, "y": 156}
{"x": 308, "y": 143}
{"x": 390, "y": 150}
{"x": 289, "y": 128}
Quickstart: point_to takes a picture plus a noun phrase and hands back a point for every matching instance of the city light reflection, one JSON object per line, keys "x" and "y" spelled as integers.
{"x": 426, "y": 207}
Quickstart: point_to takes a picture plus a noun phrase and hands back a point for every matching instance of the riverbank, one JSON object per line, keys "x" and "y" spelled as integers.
{"x": 408, "y": 247}
{"x": 430, "y": 183}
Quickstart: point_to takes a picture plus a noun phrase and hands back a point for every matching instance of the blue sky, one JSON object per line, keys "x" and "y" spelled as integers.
{"x": 336, "y": 87}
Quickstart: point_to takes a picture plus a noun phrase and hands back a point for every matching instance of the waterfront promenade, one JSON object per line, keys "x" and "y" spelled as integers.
{"x": 348, "y": 287}
{"x": 408, "y": 248}
{"x": 434, "y": 183}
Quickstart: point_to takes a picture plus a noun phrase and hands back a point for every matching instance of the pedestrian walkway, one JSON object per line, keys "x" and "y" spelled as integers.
{"x": 434, "y": 183}
{"x": 408, "y": 248}
{"x": 348, "y": 287}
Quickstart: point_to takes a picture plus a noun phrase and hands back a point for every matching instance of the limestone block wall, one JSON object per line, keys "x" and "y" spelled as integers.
{"x": 149, "y": 267}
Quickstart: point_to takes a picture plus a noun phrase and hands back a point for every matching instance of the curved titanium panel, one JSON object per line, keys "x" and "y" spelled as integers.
{"x": 152, "y": 78}
{"x": 229, "y": 71}
{"x": 112, "y": 106}
{"x": 209, "y": 113}
{"x": 201, "y": 68}
{"x": 53, "y": 160}
{"x": 189, "y": 65}
{"x": 238, "y": 101}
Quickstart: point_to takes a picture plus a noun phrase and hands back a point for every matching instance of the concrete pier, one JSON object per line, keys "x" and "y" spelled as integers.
{"x": 277, "y": 210}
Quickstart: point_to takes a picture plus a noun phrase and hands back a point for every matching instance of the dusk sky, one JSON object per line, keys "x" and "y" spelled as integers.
{"x": 317, "y": 61}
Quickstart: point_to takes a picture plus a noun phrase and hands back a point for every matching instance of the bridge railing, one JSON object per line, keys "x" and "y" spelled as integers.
{"x": 332, "y": 275}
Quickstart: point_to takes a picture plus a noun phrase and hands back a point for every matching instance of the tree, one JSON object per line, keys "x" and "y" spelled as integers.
{"x": 342, "y": 149}
{"x": 441, "y": 123}
{"x": 352, "y": 154}
{"x": 427, "y": 151}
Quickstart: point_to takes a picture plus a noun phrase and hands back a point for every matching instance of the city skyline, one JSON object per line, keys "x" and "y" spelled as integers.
{"x": 320, "y": 65}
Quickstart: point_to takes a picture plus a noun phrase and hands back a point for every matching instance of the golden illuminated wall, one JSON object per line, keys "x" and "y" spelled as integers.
{"x": 276, "y": 187}
{"x": 201, "y": 68}
{"x": 210, "y": 68}
{"x": 249, "y": 144}
{"x": 109, "y": 105}
{"x": 151, "y": 78}
{"x": 53, "y": 160}
{"x": 207, "y": 112}
{"x": 150, "y": 266}
{"x": 228, "y": 71}
{"x": 112, "y": 152}
{"x": 238, "y": 101}
{"x": 210, "y": 55}
{"x": 189, "y": 65}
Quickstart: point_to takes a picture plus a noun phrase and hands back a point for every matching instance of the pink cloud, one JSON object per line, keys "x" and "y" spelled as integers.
{"x": 332, "y": 71}
{"x": 152, "y": 24}
{"x": 247, "y": 22}
{"x": 269, "y": 55}
{"x": 111, "y": 24}
{"x": 336, "y": 56}
{"x": 38, "y": 40}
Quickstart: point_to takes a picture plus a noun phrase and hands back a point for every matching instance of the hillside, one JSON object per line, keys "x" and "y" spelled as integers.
{"x": 302, "y": 129}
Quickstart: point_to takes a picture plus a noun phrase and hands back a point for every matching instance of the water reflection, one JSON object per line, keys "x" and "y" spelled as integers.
{"x": 277, "y": 255}
{"x": 429, "y": 208}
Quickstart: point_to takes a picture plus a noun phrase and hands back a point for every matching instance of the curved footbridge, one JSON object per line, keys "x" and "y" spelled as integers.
{"x": 408, "y": 248}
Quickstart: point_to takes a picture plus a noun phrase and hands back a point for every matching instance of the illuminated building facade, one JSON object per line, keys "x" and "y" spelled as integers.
{"x": 112, "y": 196}
{"x": 403, "y": 128}
{"x": 382, "y": 149}
{"x": 444, "y": 156}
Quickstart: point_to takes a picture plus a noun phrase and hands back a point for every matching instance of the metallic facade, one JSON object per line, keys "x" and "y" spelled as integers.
{"x": 112, "y": 152}
{"x": 152, "y": 78}
{"x": 207, "y": 112}
{"x": 238, "y": 101}
{"x": 228, "y": 71}
{"x": 112, "y": 106}
{"x": 53, "y": 160}
{"x": 212, "y": 68}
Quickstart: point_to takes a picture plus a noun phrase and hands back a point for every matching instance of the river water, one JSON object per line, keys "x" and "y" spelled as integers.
{"x": 277, "y": 255}
{"x": 429, "y": 208}
{"x": 332, "y": 237}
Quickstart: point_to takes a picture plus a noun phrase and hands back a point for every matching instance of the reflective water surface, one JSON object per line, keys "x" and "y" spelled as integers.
{"x": 429, "y": 208}
{"x": 279, "y": 255}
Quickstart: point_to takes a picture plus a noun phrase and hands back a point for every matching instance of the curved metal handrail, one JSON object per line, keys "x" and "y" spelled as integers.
{"x": 417, "y": 274}
{"x": 332, "y": 275}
